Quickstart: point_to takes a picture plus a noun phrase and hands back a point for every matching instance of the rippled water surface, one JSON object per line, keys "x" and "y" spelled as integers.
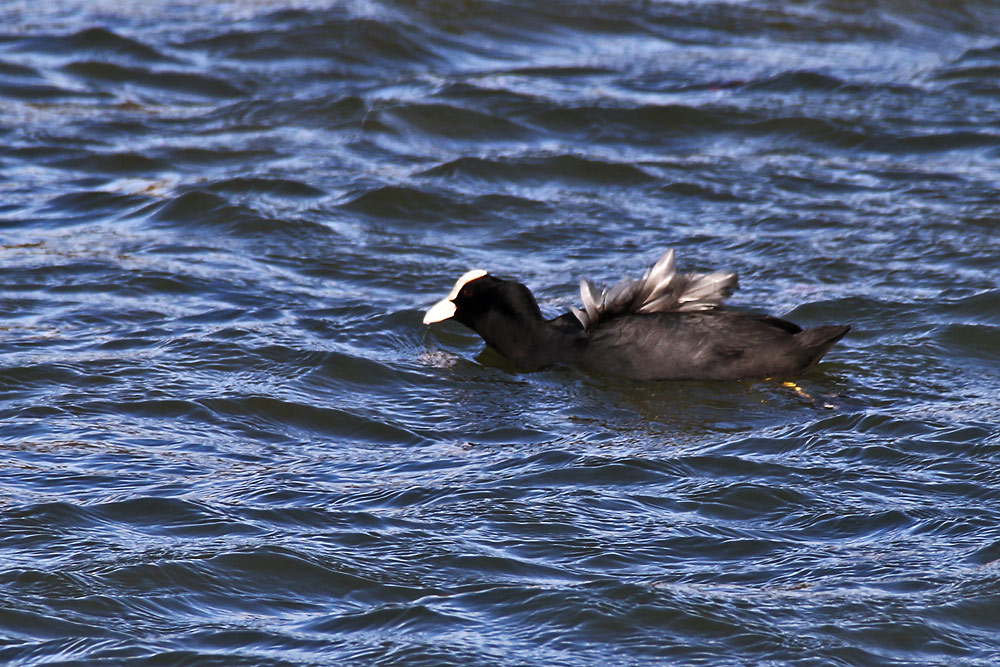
{"x": 227, "y": 438}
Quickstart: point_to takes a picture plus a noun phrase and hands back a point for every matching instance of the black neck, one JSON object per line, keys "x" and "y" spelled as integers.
{"x": 515, "y": 328}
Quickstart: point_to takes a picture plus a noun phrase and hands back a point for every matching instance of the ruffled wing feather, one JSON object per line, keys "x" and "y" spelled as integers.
{"x": 661, "y": 289}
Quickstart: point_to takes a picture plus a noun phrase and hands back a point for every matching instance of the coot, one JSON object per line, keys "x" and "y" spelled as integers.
{"x": 663, "y": 326}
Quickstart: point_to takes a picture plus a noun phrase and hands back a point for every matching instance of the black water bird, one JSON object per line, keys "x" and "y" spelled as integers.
{"x": 663, "y": 326}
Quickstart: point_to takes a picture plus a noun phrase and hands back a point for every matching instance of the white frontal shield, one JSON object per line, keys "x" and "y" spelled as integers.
{"x": 445, "y": 308}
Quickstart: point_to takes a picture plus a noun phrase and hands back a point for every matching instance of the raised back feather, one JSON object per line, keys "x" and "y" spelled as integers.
{"x": 661, "y": 289}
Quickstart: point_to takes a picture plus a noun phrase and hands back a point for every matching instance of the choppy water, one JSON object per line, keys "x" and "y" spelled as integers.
{"x": 227, "y": 439}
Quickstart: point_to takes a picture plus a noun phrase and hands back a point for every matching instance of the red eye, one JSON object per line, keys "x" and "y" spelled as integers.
{"x": 467, "y": 292}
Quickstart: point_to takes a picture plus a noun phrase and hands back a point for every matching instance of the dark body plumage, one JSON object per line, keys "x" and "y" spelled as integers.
{"x": 706, "y": 344}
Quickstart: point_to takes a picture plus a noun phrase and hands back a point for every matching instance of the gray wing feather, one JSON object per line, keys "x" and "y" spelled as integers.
{"x": 580, "y": 315}
{"x": 656, "y": 279}
{"x": 622, "y": 295}
{"x": 706, "y": 290}
{"x": 661, "y": 289}
{"x": 591, "y": 303}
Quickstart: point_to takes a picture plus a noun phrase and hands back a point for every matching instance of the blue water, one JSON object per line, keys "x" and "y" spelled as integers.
{"x": 227, "y": 438}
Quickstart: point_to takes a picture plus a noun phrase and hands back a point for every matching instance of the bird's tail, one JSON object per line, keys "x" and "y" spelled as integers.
{"x": 818, "y": 340}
